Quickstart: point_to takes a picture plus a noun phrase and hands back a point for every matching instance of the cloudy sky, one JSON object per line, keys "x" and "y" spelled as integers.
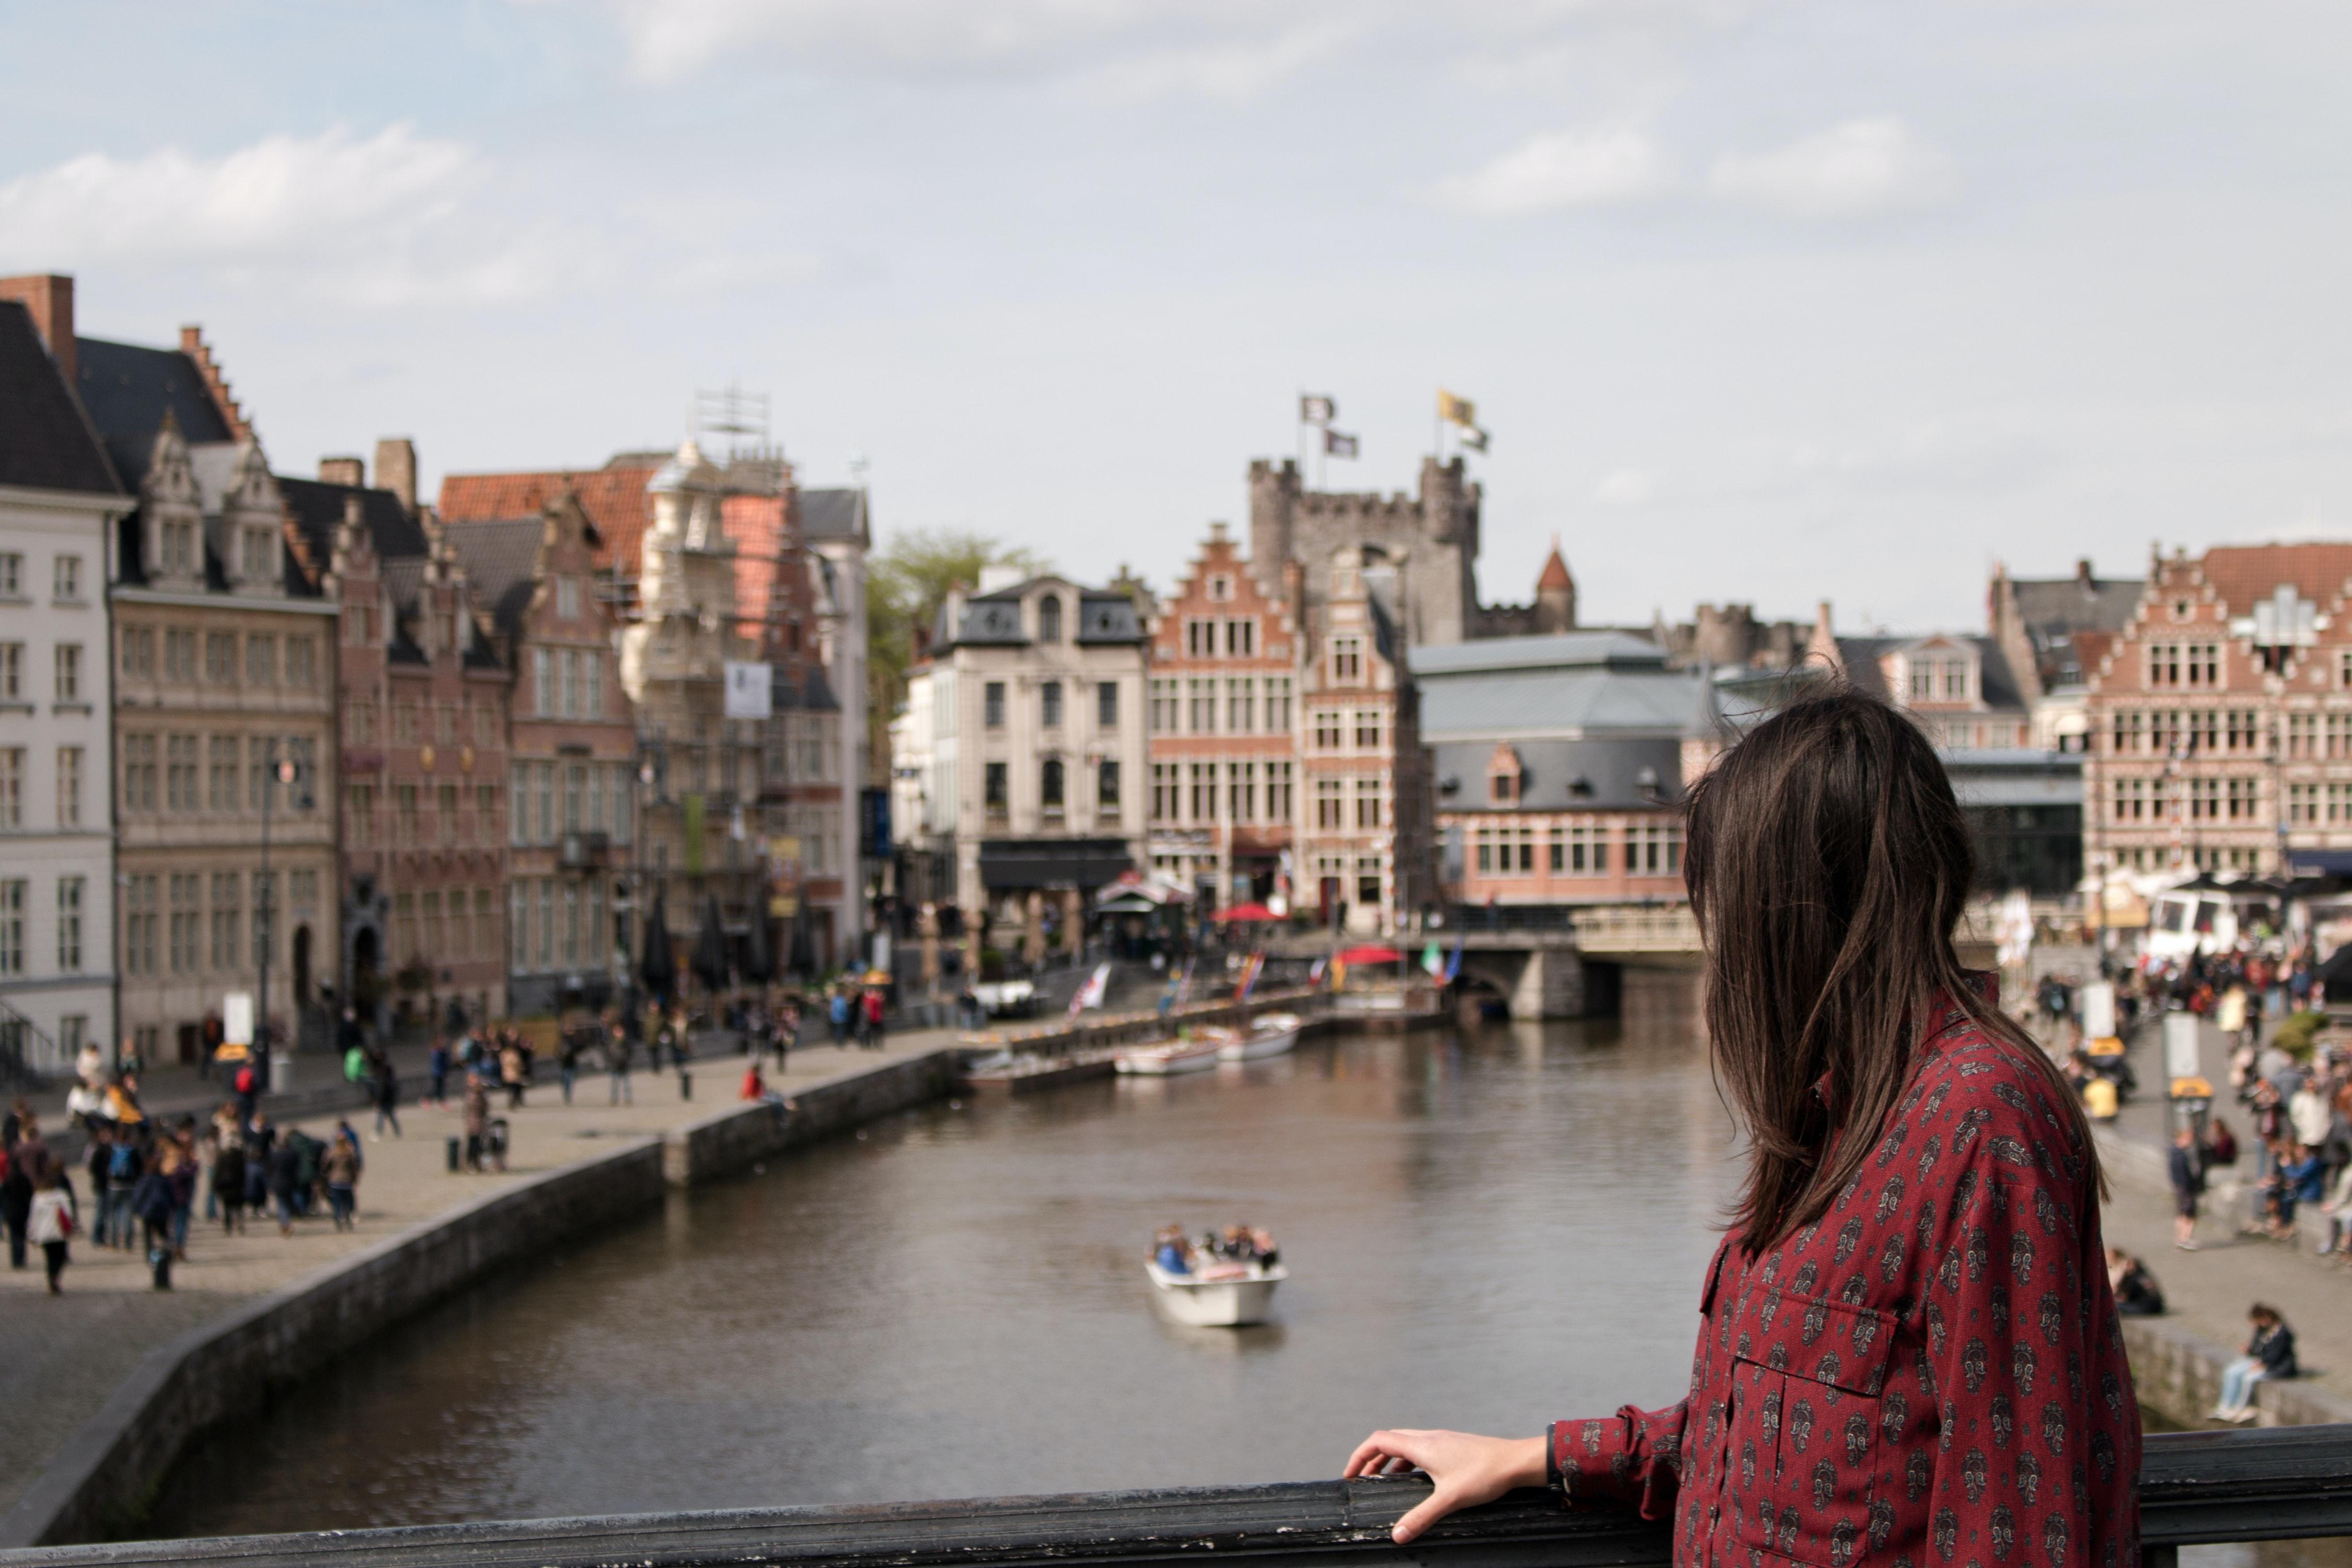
{"x": 1761, "y": 302}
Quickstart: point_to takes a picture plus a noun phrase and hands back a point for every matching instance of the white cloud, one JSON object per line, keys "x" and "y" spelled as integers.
{"x": 1626, "y": 487}
{"x": 382, "y": 220}
{"x": 671, "y": 39}
{"x": 1237, "y": 70}
{"x": 1856, "y": 169}
{"x": 1563, "y": 168}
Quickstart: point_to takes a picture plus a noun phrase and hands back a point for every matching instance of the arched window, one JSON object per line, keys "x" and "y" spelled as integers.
{"x": 1049, "y": 618}
{"x": 1049, "y": 784}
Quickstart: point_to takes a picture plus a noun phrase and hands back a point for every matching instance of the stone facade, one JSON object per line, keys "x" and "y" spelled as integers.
{"x": 1224, "y": 714}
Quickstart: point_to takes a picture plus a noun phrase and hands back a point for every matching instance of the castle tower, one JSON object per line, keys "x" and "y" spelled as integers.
{"x": 1436, "y": 530}
{"x": 1555, "y": 594}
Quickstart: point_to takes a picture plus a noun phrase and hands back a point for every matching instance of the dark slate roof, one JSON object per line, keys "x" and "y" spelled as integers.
{"x": 1602, "y": 774}
{"x": 1106, "y": 616}
{"x": 813, "y": 695}
{"x": 317, "y": 509}
{"x": 500, "y": 558}
{"x": 45, "y": 442}
{"x": 993, "y": 620}
{"x": 128, "y": 390}
{"x": 1860, "y": 657}
{"x": 1593, "y": 650}
{"x": 2065, "y": 605}
{"x": 833, "y": 514}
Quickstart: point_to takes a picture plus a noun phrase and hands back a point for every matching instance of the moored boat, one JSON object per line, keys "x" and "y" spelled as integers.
{"x": 1225, "y": 1295}
{"x": 1269, "y": 1035}
{"x": 1169, "y": 1056}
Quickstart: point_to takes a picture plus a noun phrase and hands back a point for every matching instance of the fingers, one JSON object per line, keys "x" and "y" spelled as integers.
{"x": 1432, "y": 1509}
{"x": 1384, "y": 1453}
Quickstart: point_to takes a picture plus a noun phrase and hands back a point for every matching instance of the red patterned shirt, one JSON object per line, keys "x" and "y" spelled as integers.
{"x": 1931, "y": 1374}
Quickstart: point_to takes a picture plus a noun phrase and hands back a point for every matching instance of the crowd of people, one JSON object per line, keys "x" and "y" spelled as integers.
{"x": 1237, "y": 1243}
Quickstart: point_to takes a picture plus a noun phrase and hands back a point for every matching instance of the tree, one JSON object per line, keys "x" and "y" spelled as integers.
{"x": 905, "y": 583}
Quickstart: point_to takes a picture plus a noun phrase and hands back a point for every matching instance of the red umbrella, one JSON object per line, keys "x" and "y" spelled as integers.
{"x": 1370, "y": 955}
{"x": 1247, "y": 912}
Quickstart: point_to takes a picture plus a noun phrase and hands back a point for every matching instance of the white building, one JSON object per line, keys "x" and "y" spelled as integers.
{"x": 59, "y": 503}
{"x": 1023, "y": 757}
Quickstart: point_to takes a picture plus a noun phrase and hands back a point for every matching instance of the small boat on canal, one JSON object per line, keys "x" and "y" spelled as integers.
{"x": 1269, "y": 1035}
{"x": 1165, "y": 1057}
{"x": 1221, "y": 1296}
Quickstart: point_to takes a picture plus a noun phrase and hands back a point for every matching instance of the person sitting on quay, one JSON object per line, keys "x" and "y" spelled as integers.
{"x": 2269, "y": 1353}
{"x": 2138, "y": 1295}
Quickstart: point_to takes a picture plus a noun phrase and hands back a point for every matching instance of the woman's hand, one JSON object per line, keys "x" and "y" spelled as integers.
{"x": 1467, "y": 1470}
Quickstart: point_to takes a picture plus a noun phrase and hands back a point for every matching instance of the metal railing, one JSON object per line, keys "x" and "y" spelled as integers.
{"x": 1632, "y": 929}
{"x": 28, "y": 1058}
{"x": 2196, "y": 1488}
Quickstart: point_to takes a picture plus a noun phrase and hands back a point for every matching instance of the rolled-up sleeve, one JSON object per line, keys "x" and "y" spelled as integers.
{"x": 1633, "y": 1456}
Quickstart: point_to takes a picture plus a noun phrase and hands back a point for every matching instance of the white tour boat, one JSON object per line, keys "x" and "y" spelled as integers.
{"x": 1169, "y": 1056}
{"x": 1270, "y": 1035}
{"x": 1223, "y": 1295}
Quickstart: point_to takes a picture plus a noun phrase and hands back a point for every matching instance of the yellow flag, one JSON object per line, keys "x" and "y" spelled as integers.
{"x": 1457, "y": 410}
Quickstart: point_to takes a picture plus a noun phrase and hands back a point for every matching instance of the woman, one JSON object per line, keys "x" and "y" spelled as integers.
{"x": 1907, "y": 1348}
{"x": 52, "y": 1222}
{"x": 341, "y": 1170}
{"x": 228, "y": 1168}
{"x": 2270, "y": 1352}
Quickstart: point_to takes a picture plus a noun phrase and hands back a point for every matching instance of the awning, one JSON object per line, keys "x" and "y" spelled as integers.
{"x": 1247, "y": 912}
{"x": 1126, "y": 904}
{"x": 2320, "y": 862}
{"x": 1370, "y": 955}
{"x": 1013, "y": 864}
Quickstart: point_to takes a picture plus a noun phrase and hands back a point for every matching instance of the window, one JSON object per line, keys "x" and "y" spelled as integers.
{"x": 2302, "y": 734}
{"x": 996, "y": 790}
{"x": 2204, "y": 800}
{"x": 1331, "y": 803}
{"x": 223, "y": 773}
{"x": 1348, "y": 659}
{"x": 2202, "y": 662}
{"x": 12, "y": 672}
{"x": 301, "y": 662}
{"x": 260, "y": 774}
{"x": 1923, "y": 680}
{"x": 542, "y": 682}
{"x": 1205, "y": 791}
{"x": 1201, "y": 639}
{"x": 404, "y": 816}
{"x": 1277, "y": 705}
{"x": 544, "y": 778}
{"x": 1326, "y": 727}
{"x": 547, "y": 925}
{"x": 1241, "y": 640}
{"x": 1368, "y": 883}
{"x": 1166, "y": 803}
{"x": 2245, "y": 799}
{"x": 1221, "y": 588}
{"x": 1049, "y": 702}
{"x": 260, "y": 660}
{"x": 138, "y": 920}
{"x": 1204, "y": 702}
{"x": 138, "y": 651}
{"x": 1049, "y": 786}
{"x": 519, "y": 827}
{"x": 260, "y": 554}
{"x": 68, "y": 786}
{"x": 68, "y": 672}
{"x": 1165, "y": 719}
{"x": 1107, "y": 787}
{"x": 1368, "y": 730}
{"x": 2302, "y": 804}
{"x": 1580, "y": 849}
{"x": 2127, "y": 801}
{"x": 486, "y": 809}
{"x": 220, "y": 657}
{"x": 2244, "y": 729}
{"x": 12, "y": 787}
{"x": 2338, "y": 735}
{"x": 181, "y": 793}
{"x": 1049, "y": 618}
{"x": 11, "y": 575}
{"x": 2339, "y": 803}
{"x": 567, "y": 597}
{"x": 445, "y": 807}
{"x": 623, "y": 804}
{"x": 1653, "y": 850}
{"x": 187, "y": 922}
{"x": 992, "y": 705}
{"x": 2344, "y": 667}
{"x": 483, "y": 938}
{"x": 138, "y": 773}
{"x": 1279, "y": 802}
{"x": 1367, "y": 802}
{"x": 1503, "y": 788}
{"x": 1241, "y": 791}
{"x": 1106, "y": 704}
{"x": 2163, "y": 663}
{"x": 12, "y": 926}
{"x": 65, "y": 579}
{"x": 179, "y": 655}
{"x": 518, "y": 927}
{"x": 1506, "y": 851}
{"x": 1241, "y": 706}
{"x": 226, "y": 911}
{"x": 179, "y": 541}
{"x": 592, "y": 685}
{"x": 1955, "y": 680}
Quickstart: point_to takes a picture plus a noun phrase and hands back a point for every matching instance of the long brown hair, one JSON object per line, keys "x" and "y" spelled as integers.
{"x": 1828, "y": 864}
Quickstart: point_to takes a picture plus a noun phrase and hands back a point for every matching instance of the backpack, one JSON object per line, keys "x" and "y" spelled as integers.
{"x": 123, "y": 1163}
{"x": 245, "y": 1081}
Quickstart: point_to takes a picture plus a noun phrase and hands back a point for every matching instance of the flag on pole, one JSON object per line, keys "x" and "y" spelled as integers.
{"x": 1090, "y": 995}
{"x": 1433, "y": 962}
{"x": 1457, "y": 410}
{"x": 1316, "y": 408}
{"x": 1475, "y": 440}
{"x": 1338, "y": 445}
{"x": 1251, "y": 969}
{"x": 1453, "y": 961}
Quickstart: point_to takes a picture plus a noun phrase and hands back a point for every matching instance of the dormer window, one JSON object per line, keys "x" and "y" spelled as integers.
{"x": 567, "y": 599}
{"x": 1348, "y": 659}
{"x": 1506, "y": 778}
{"x": 177, "y": 547}
{"x": 1049, "y": 618}
{"x": 1955, "y": 680}
{"x": 1503, "y": 789}
{"x": 259, "y": 556}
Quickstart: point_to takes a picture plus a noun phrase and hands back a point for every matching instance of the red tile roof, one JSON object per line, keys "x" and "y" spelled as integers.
{"x": 2242, "y": 574}
{"x": 615, "y": 499}
{"x": 1555, "y": 572}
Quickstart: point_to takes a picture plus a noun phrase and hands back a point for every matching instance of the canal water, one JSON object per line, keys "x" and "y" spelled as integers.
{"x": 1485, "y": 1229}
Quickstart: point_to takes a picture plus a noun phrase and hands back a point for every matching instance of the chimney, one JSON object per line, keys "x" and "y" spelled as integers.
{"x": 352, "y": 471}
{"x": 395, "y": 468}
{"x": 49, "y": 297}
{"x": 2082, "y": 573}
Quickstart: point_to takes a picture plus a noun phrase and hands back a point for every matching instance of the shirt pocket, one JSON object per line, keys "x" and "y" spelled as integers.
{"x": 1805, "y": 1455}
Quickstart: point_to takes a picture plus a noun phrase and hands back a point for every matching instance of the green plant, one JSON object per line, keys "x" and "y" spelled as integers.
{"x": 2296, "y": 1034}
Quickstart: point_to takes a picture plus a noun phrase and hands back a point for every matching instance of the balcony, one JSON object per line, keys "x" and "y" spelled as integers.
{"x": 582, "y": 851}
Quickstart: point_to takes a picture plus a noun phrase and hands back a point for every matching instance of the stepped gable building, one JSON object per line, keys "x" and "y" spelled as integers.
{"x": 225, "y": 672}
{"x": 571, "y": 740}
{"x": 61, "y": 503}
{"x": 1225, "y": 659}
{"x": 1029, "y": 765}
{"x": 1365, "y": 838}
{"x": 2224, "y": 704}
{"x": 423, "y": 798}
{"x": 1559, "y": 767}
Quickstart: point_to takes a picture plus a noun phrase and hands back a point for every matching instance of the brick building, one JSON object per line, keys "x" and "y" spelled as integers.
{"x": 2220, "y": 716}
{"x": 1224, "y": 715}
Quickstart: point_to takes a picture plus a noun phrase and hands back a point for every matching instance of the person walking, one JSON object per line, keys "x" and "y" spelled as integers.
{"x": 874, "y": 1034}
{"x": 567, "y": 1059}
{"x": 437, "y": 1072}
{"x": 51, "y": 1224}
{"x": 1921, "y": 1196}
{"x": 510, "y": 1070}
{"x": 2269, "y": 1353}
{"x": 341, "y": 1170}
{"x": 125, "y": 1164}
{"x": 477, "y": 1117}
{"x": 838, "y": 1011}
{"x": 283, "y": 1170}
{"x": 618, "y": 1049}
{"x": 386, "y": 1092}
{"x": 228, "y": 1169}
{"x": 27, "y": 1158}
{"x": 2186, "y": 1167}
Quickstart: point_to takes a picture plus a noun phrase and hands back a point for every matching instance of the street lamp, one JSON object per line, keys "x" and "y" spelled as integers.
{"x": 279, "y": 771}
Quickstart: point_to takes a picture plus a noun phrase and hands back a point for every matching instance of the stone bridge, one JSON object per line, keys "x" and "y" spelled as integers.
{"x": 1570, "y": 964}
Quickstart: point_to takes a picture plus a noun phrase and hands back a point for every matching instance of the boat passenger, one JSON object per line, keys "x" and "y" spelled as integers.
{"x": 1172, "y": 1254}
{"x": 1262, "y": 1243}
